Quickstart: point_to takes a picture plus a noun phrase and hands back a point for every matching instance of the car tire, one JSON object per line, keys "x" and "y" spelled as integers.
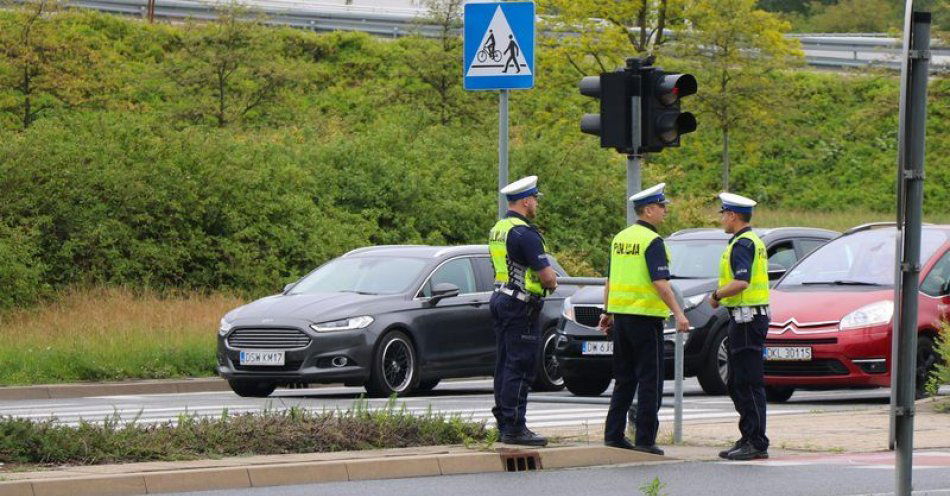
{"x": 591, "y": 385}
{"x": 778, "y": 394}
{"x": 426, "y": 386}
{"x": 927, "y": 360}
{"x": 395, "y": 368}
{"x": 549, "y": 376}
{"x": 715, "y": 369}
{"x": 251, "y": 389}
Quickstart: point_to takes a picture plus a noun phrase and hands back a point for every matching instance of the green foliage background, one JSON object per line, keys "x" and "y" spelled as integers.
{"x": 136, "y": 185}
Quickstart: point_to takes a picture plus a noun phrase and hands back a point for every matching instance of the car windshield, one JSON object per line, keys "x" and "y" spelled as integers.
{"x": 695, "y": 259}
{"x": 365, "y": 275}
{"x": 865, "y": 258}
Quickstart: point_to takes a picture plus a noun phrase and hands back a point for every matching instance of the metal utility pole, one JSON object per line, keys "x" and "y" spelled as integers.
{"x": 913, "y": 117}
{"x": 502, "y": 150}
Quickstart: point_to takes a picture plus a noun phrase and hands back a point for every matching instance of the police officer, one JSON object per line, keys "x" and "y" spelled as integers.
{"x": 523, "y": 275}
{"x": 744, "y": 291}
{"x": 639, "y": 298}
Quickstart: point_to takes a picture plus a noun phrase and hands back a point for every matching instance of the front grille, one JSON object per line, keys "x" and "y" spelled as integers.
{"x": 812, "y": 368}
{"x": 265, "y": 339}
{"x": 588, "y": 316}
{"x": 799, "y": 342}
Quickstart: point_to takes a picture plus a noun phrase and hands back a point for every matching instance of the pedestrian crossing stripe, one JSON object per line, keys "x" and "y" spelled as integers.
{"x": 500, "y": 52}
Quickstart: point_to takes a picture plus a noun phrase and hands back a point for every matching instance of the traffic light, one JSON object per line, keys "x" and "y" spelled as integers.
{"x": 655, "y": 124}
{"x": 663, "y": 123}
{"x": 614, "y": 122}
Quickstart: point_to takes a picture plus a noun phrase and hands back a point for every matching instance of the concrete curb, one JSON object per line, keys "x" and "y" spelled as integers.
{"x": 282, "y": 473}
{"x": 62, "y": 391}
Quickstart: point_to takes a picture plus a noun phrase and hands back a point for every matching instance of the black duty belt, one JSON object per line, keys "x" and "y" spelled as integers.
{"x": 519, "y": 295}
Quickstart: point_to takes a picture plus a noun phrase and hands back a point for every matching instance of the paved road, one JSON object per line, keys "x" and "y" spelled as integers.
{"x": 469, "y": 398}
{"x": 838, "y": 475}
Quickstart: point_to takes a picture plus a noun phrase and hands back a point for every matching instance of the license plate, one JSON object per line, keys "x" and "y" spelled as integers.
{"x": 598, "y": 348}
{"x": 274, "y": 358}
{"x": 789, "y": 353}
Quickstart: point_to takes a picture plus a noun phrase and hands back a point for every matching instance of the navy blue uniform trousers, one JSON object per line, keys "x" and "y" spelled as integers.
{"x": 638, "y": 365}
{"x": 746, "y": 379}
{"x": 517, "y": 338}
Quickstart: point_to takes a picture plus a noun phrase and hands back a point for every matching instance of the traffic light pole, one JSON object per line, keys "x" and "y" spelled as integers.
{"x": 633, "y": 185}
{"x": 502, "y": 151}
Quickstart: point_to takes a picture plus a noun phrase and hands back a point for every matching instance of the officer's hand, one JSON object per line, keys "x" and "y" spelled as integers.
{"x": 682, "y": 323}
{"x": 713, "y": 303}
{"x": 606, "y": 324}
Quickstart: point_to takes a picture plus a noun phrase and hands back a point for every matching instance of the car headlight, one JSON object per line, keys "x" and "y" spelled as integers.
{"x": 878, "y": 313}
{"x": 349, "y": 324}
{"x": 224, "y": 327}
{"x": 694, "y": 301}
{"x": 568, "y": 310}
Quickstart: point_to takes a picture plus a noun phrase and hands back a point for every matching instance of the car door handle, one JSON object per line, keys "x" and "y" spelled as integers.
{"x": 477, "y": 303}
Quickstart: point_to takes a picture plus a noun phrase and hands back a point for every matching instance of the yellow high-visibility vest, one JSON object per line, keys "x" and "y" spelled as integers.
{"x": 631, "y": 289}
{"x": 757, "y": 294}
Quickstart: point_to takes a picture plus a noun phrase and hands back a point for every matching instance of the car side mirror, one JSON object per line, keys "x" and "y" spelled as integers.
{"x": 442, "y": 291}
{"x": 776, "y": 271}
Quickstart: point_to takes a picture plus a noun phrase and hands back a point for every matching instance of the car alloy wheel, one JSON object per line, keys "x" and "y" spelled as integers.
{"x": 550, "y": 367}
{"x": 398, "y": 365}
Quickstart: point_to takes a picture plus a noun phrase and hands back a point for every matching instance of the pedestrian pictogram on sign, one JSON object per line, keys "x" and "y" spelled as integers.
{"x": 499, "y": 45}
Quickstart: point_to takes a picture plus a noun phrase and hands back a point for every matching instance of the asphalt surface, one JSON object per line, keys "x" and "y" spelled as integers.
{"x": 839, "y": 475}
{"x": 468, "y": 398}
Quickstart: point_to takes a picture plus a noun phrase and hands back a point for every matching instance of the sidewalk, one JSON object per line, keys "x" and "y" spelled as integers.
{"x": 833, "y": 432}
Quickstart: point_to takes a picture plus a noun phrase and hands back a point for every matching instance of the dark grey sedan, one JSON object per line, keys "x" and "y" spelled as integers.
{"x": 395, "y": 319}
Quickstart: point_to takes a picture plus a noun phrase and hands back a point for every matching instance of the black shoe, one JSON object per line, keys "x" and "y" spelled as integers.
{"x": 620, "y": 443}
{"x": 524, "y": 438}
{"x": 725, "y": 453}
{"x": 653, "y": 450}
{"x": 748, "y": 452}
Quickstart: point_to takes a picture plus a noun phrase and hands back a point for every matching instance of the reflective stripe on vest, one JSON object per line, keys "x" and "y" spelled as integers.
{"x": 757, "y": 293}
{"x": 498, "y": 248}
{"x": 631, "y": 288}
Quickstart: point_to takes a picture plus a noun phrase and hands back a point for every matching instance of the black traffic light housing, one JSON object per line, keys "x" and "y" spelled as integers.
{"x": 613, "y": 124}
{"x": 663, "y": 122}
{"x": 655, "y": 124}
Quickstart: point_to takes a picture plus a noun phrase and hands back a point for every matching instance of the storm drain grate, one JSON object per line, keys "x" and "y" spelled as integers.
{"x": 521, "y": 462}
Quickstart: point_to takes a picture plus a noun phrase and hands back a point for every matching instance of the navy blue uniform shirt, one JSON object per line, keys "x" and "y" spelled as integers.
{"x": 525, "y": 245}
{"x": 657, "y": 263}
{"x": 742, "y": 254}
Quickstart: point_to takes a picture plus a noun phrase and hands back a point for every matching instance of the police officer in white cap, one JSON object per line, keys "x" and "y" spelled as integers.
{"x": 639, "y": 299}
{"x": 523, "y": 276}
{"x": 744, "y": 291}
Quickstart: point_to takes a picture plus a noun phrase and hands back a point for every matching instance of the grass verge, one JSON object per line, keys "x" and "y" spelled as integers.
{"x": 111, "y": 334}
{"x": 295, "y": 430}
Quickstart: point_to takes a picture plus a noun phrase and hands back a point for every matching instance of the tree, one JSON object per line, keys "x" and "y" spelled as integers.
{"x": 436, "y": 65}
{"x": 229, "y": 68}
{"x": 738, "y": 47}
{"x": 596, "y": 35}
{"x": 43, "y": 66}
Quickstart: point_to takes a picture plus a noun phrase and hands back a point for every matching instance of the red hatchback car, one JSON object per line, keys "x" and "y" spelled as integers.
{"x": 831, "y": 324}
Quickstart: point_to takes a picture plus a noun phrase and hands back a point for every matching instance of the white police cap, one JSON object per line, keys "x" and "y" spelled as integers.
{"x": 522, "y": 188}
{"x": 736, "y": 203}
{"x": 650, "y": 195}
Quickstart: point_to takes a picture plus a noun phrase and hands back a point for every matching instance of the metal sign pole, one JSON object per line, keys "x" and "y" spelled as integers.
{"x": 502, "y": 150}
{"x": 678, "y": 389}
{"x": 912, "y": 169}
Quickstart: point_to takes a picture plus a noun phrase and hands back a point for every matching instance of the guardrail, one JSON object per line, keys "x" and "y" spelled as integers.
{"x": 821, "y": 50}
